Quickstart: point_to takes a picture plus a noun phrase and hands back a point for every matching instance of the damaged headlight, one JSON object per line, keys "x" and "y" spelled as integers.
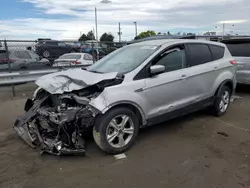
{"x": 39, "y": 93}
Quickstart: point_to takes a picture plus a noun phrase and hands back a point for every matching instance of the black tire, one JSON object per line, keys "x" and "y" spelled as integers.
{"x": 23, "y": 68}
{"x": 101, "y": 126}
{"x": 216, "y": 110}
{"x": 46, "y": 54}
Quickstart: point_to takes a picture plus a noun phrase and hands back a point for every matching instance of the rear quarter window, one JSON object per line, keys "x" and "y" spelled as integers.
{"x": 217, "y": 51}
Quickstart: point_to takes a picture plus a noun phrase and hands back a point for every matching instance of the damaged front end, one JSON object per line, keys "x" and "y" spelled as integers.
{"x": 59, "y": 115}
{"x": 57, "y": 123}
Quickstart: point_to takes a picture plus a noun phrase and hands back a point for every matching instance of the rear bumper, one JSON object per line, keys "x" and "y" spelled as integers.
{"x": 243, "y": 76}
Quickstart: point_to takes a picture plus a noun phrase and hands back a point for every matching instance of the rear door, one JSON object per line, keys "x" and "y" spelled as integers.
{"x": 202, "y": 70}
{"x": 63, "y": 48}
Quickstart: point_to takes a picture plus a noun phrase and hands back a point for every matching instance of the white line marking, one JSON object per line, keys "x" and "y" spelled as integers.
{"x": 231, "y": 125}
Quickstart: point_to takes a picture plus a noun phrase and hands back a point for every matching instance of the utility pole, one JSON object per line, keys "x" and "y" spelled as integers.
{"x": 135, "y": 28}
{"x": 96, "y": 35}
{"x": 223, "y": 30}
{"x": 119, "y": 32}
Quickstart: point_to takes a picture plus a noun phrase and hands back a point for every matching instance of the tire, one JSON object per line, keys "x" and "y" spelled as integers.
{"x": 104, "y": 129}
{"x": 46, "y": 54}
{"x": 221, "y": 102}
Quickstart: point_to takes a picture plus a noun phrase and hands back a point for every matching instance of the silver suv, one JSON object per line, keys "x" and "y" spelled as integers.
{"x": 133, "y": 87}
{"x": 240, "y": 50}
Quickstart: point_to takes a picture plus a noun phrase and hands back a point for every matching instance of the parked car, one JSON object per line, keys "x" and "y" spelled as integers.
{"x": 52, "y": 49}
{"x": 21, "y": 60}
{"x": 240, "y": 50}
{"x": 73, "y": 59}
{"x": 93, "y": 51}
{"x": 135, "y": 86}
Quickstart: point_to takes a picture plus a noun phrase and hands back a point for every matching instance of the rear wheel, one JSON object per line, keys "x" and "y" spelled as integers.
{"x": 222, "y": 101}
{"x": 116, "y": 131}
{"x": 46, "y": 54}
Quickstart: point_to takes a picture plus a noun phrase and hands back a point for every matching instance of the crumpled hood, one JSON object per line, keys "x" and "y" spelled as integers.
{"x": 75, "y": 79}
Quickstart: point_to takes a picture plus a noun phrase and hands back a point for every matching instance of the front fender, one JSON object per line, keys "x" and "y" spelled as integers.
{"x": 109, "y": 99}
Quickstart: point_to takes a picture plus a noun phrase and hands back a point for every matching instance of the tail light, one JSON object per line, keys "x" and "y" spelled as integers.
{"x": 76, "y": 62}
{"x": 233, "y": 62}
{"x": 4, "y": 60}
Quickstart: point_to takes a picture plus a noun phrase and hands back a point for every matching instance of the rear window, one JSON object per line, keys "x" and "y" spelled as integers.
{"x": 70, "y": 56}
{"x": 217, "y": 52}
{"x": 198, "y": 54}
{"x": 239, "y": 49}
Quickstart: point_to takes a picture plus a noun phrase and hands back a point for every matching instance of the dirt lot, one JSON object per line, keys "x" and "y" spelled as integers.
{"x": 186, "y": 152}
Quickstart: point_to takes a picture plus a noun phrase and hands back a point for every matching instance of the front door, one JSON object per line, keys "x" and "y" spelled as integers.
{"x": 171, "y": 90}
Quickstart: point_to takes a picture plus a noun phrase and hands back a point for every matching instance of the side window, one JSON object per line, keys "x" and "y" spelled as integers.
{"x": 173, "y": 60}
{"x": 61, "y": 44}
{"x": 86, "y": 57}
{"x": 52, "y": 43}
{"x": 90, "y": 57}
{"x": 198, "y": 54}
{"x": 217, "y": 52}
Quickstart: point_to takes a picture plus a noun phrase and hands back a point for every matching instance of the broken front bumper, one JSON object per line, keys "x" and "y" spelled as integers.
{"x": 27, "y": 128}
{"x": 22, "y": 122}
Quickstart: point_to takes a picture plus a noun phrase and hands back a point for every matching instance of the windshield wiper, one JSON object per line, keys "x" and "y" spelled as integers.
{"x": 95, "y": 71}
{"x": 85, "y": 68}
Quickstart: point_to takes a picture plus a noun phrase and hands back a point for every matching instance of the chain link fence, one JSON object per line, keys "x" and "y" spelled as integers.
{"x": 23, "y": 55}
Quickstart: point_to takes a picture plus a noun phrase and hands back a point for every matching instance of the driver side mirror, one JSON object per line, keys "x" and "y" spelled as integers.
{"x": 157, "y": 69}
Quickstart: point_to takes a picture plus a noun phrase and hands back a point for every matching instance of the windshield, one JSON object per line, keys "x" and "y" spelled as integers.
{"x": 124, "y": 60}
{"x": 70, "y": 56}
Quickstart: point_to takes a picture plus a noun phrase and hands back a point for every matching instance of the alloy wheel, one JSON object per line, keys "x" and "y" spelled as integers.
{"x": 224, "y": 103}
{"x": 120, "y": 131}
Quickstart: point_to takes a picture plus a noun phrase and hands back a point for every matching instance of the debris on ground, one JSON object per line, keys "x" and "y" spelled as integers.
{"x": 120, "y": 156}
{"x": 223, "y": 134}
{"x": 235, "y": 97}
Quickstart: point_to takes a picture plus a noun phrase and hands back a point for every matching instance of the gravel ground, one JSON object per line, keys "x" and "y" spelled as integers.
{"x": 197, "y": 150}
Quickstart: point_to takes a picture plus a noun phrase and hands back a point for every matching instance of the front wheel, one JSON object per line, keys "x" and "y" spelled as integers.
{"x": 222, "y": 101}
{"x": 116, "y": 130}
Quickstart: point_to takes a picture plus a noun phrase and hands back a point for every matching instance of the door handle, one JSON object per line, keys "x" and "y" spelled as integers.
{"x": 215, "y": 68}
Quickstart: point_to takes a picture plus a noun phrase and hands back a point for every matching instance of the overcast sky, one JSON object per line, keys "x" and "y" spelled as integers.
{"x": 65, "y": 19}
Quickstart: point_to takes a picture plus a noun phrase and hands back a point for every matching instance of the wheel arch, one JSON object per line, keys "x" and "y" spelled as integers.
{"x": 130, "y": 105}
{"x": 227, "y": 82}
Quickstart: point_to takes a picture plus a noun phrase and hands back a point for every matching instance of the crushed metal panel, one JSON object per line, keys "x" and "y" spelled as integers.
{"x": 67, "y": 81}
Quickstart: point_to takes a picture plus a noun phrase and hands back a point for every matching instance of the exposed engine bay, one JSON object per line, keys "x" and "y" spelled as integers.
{"x": 57, "y": 123}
